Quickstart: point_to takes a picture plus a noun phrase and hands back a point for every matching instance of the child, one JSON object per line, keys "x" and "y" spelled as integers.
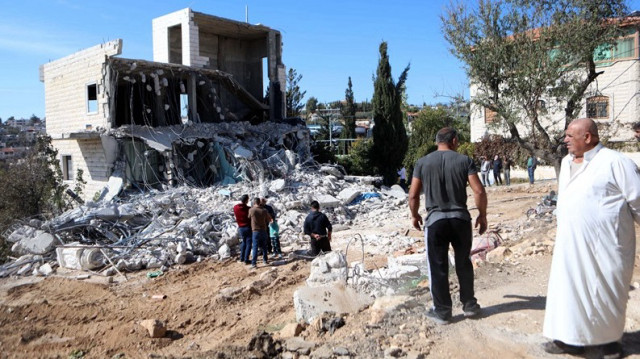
{"x": 274, "y": 230}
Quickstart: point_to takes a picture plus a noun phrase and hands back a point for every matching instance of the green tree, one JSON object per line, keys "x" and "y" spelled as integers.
{"x": 423, "y": 133}
{"x": 389, "y": 133}
{"x": 519, "y": 52}
{"x": 349, "y": 113}
{"x": 294, "y": 94}
{"x": 311, "y": 106}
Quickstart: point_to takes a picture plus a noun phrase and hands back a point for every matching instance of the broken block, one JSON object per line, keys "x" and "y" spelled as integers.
{"x": 327, "y": 201}
{"x": 310, "y": 302}
{"x": 347, "y": 195}
{"x": 155, "y": 328}
{"x": 41, "y": 243}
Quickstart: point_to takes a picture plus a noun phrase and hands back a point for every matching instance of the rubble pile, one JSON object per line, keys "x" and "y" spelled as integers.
{"x": 157, "y": 229}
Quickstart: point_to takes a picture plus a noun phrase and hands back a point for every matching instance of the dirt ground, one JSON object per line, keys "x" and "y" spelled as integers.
{"x": 213, "y": 309}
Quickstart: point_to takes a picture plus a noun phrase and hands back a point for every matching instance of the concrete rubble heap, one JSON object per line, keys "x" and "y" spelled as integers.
{"x": 156, "y": 229}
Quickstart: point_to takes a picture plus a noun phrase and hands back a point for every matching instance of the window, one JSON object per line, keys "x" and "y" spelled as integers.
{"x": 92, "y": 98}
{"x": 489, "y": 115}
{"x": 623, "y": 49}
{"x": 66, "y": 168}
{"x": 598, "y": 107}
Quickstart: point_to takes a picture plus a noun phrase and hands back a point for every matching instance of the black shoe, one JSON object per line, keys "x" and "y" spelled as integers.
{"x": 437, "y": 318}
{"x": 611, "y": 350}
{"x": 472, "y": 310}
{"x": 558, "y": 347}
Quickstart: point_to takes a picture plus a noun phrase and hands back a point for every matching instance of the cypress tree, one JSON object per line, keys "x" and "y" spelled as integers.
{"x": 389, "y": 134}
{"x": 349, "y": 113}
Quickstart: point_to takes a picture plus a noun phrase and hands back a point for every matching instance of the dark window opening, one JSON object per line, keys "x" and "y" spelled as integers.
{"x": 67, "y": 173}
{"x": 92, "y": 98}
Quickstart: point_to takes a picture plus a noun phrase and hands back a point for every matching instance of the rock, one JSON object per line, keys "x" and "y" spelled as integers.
{"x": 334, "y": 259}
{"x": 415, "y": 355}
{"x": 229, "y": 293}
{"x": 341, "y": 351}
{"x": 393, "y": 352}
{"x": 347, "y": 195}
{"x": 498, "y": 254}
{"x": 291, "y": 330}
{"x": 310, "y": 302}
{"x": 21, "y": 233}
{"x": 299, "y": 345}
{"x": 277, "y": 185}
{"x": 224, "y": 251}
{"x": 322, "y": 352}
{"x": 45, "y": 269}
{"x": 154, "y": 327}
{"x": 41, "y": 243}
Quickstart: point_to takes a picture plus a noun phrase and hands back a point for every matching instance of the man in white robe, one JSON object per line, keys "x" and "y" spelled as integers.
{"x": 598, "y": 201}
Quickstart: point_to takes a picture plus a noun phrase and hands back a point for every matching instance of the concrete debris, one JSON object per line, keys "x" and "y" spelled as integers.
{"x": 328, "y": 268}
{"x": 299, "y": 345}
{"x": 154, "y": 327}
{"x": 39, "y": 242}
{"x": 264, "y": 343}
{"x": 311, "y": 302}
{"x": 383, "y": 306}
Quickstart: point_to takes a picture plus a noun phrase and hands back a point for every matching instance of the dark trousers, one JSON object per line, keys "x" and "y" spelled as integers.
{"x": 275, "y": 243}
{"x": 438, "y": 236}
{"x": 245, "y": 245}
{"x": 259, "y": 239}
{"x": 496, "y": 178}
{"x": 318, "y": 245}
{"x": 531, "y": 171}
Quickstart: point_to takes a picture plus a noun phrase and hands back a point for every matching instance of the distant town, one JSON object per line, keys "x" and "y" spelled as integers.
{"x": 18, "y": 135}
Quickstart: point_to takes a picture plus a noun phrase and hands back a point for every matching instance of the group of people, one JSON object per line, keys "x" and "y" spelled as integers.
{"x": 256, "y": 225}
{"x": 593, "y": 260}
{"x": 259, "y": 232}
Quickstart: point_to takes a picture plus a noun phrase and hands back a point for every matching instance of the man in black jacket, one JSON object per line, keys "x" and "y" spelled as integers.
{"x": 318, "y": 227}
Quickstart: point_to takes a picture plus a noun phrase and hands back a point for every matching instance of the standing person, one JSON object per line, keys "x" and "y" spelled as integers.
{"x": 507, "y": 171}
{"x": 444, "y": 175}
{"x": 259, "y": 225}
{"x": 484, "y": 171}
{"x": 593, "y": 259}
{"x": 497, "y": 167}
{"x": 318, "y": 227}
{"x": 532, "y": 162}
{"x": 636, "y": 129}
{"x": 241, "y": 212}
{"x": 274, "y": 233}
{"x": 272, "y": 213}
{"x": 402, "y": 173}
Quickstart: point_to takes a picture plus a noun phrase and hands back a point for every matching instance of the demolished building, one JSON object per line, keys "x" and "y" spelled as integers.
{"x": 188, "y": 117}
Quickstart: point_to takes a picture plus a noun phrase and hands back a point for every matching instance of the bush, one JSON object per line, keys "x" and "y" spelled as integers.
{"x": 358, "y": 161}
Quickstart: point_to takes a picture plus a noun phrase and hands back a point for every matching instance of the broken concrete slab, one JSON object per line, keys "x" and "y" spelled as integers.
{"x": 348, "y": 194}
{"x": 311, "y": 302}
{"x": 327, "y": 201}
{"x": 397, "y": 192}
{"x": 330, "y": 170}
{"x": 41, "y": 243}
{"x": 21, "y": 233}
{"x": 328, "y": 268}
{"x": 418, "y": 260}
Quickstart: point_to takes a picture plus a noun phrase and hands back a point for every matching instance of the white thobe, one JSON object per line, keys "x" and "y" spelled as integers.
{"x": 595, "y": 249}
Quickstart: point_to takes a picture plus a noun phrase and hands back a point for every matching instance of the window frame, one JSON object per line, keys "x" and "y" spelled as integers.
{"x": 595, "y": 100}
{"x": 66, "y": 167}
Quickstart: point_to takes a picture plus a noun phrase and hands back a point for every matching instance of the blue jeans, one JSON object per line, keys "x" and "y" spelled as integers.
{"x": 530, "y": 170}
{"x": 245, "y": 245}
{"x": 275, "y": 243}
{"x": 259, "y": 239}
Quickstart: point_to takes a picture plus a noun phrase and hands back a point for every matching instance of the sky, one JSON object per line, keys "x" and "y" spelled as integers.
{"x": 324, "y": 41}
